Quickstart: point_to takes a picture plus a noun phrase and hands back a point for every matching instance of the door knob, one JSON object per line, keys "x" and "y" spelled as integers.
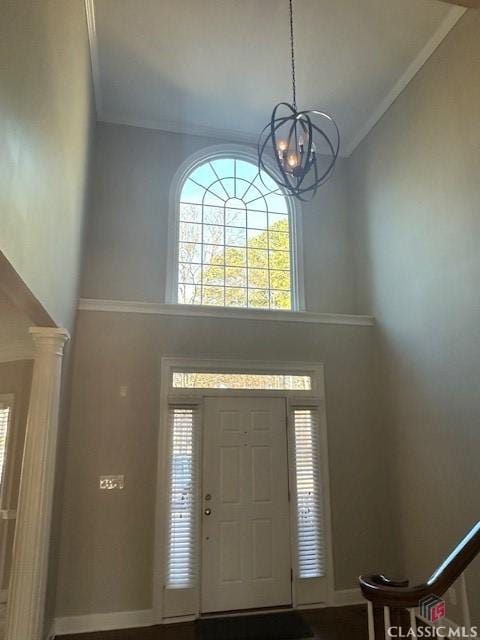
{"x": 207, "y": 512}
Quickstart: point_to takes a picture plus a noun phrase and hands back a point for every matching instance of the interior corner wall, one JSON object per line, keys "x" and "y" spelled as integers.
{"x": 415, "y": 207}
{"x": 46, "y": 112}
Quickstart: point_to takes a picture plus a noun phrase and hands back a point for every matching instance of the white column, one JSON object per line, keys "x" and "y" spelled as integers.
{"x": 413, "y": 622}
{"x": 387, "y": 621}
{"x": 26, "y": 598}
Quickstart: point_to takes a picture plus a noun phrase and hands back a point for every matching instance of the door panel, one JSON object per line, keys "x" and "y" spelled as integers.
{"x": 246, "y": 537}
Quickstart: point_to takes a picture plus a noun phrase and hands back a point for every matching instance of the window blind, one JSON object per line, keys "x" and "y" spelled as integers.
{"x": 182, "y": 498}
{"x": 4, "y": 422}
{"x": 310, "y": 527}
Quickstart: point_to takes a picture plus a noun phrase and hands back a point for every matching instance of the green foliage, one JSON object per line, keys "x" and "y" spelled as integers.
{"x": 267, "y": 269}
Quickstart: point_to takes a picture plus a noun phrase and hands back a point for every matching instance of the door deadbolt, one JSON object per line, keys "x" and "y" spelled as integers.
{"x": 208, "y": 496}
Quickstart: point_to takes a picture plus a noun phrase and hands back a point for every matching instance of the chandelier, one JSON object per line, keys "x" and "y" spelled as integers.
{"x": 305, "y": 144}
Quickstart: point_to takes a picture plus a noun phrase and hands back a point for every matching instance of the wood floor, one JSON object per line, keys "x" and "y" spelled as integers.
{"x": 339, "y": 623}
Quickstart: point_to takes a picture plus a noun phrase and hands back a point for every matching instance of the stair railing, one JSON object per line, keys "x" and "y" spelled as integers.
{"x": 394, "y": 597}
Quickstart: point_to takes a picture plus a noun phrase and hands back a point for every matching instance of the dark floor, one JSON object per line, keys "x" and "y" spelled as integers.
{"x": 339, "y": 623}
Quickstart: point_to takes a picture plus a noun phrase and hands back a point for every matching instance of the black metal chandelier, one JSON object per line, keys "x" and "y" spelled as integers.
{"x": 305, "y": 144}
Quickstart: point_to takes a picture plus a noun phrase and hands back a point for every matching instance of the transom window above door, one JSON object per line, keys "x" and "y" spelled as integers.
{"x": 235, "y": 238}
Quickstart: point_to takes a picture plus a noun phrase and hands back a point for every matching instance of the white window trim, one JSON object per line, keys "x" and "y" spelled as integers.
{"x": 304, "y": 591}
{"x": 243, "y": 153}
{"x": 6, "y": 513}
{"x": 7, "y": 399}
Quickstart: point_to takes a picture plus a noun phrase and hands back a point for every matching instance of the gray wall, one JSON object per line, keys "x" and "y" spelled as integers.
{"x": 415, "y": 191}
{"x": 126, "y": 254}
{"x": 107, "y": 537}
{"x": 402, "y": 399}
{"x": 45, "y": 113}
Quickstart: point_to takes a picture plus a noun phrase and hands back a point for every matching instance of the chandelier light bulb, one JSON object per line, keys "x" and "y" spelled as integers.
{"x": 293, "y": 160}
{"x": 282, "y": 145}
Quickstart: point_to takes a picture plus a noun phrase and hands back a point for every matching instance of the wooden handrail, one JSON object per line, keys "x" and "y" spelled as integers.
{"x": 382, "y": 591}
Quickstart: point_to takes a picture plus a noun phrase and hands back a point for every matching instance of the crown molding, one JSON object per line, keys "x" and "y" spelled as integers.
{"x": 230, "y": 135}
{"x": 94, "y": 59}
{"x": 431, "y": 46}
{"x": 469, "y": 4}
{"x": 453, "y": 16}
{"x": 126, "y": 306}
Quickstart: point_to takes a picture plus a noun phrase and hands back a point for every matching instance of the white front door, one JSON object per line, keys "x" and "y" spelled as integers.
{"x": 245, "y": 508}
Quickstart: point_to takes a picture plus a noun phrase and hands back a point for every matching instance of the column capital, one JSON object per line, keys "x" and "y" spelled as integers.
{"x": 51, "y": 339}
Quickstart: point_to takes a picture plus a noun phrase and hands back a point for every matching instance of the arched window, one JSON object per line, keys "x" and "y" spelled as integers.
{"x": 235, "y": 237}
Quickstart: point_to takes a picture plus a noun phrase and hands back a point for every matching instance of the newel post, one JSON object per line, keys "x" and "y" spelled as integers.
{"x": 26, "y": 599}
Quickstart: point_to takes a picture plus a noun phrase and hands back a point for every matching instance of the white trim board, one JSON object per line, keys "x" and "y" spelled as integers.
{"x": 93, "y": 43}
{"x": 144, "y": 618}
{"x": 103, "y": 622}
{"x": 155, "y": 308}
{"x": 410, "y": 72}
{"x": 160, "y": 124}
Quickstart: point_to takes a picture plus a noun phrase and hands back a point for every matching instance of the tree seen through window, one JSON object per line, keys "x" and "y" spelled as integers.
{"x": 234, "y": 238}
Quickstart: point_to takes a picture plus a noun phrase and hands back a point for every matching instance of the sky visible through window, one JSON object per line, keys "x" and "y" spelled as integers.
{"x": 234, "y": 238}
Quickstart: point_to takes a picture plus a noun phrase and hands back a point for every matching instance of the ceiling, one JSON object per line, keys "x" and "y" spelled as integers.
{"x": 217, "y": 67}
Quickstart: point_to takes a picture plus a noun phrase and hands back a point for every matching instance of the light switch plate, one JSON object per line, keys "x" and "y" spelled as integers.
{"x": 111, "y": 482}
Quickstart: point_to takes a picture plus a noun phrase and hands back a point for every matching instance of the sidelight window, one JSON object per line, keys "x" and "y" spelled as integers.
{"x": 182, "y": 498}
{"x": 310, "y": 528}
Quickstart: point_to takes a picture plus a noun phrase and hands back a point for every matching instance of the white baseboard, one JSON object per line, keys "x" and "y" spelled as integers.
{"x": 103, "y": 622}
{"x": 51, "y": 633}
{"x": 348, "y": 597}
{"x": 131, "y": 619}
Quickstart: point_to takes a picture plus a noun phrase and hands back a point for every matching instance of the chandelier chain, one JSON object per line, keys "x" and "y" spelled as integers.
{"x": 305, "y": 144}
{"x": 292, "y": 52}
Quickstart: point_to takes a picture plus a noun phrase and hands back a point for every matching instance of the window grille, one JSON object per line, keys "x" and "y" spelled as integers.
{"x": 234, "y": 238}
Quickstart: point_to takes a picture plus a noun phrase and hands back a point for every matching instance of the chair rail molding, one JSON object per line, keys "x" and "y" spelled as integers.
{"x": 26, "y": 602}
